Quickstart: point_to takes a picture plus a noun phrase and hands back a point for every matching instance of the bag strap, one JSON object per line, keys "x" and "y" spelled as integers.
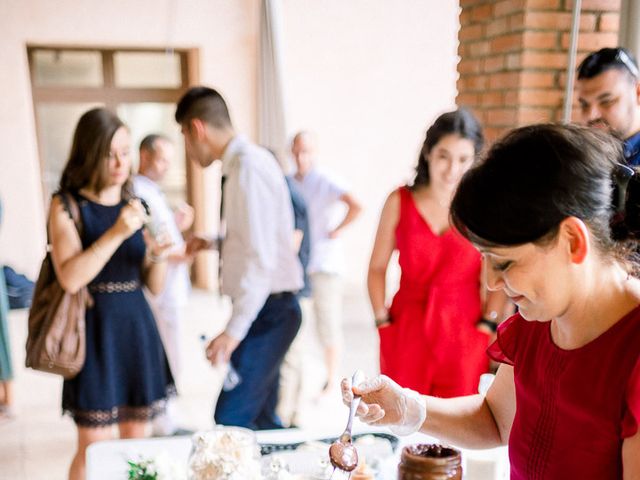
{"x": 73, "y": 209}
{"x": 70, "y": 205}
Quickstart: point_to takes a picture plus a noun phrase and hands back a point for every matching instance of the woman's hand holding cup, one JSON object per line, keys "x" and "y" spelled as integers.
{"x": 131, "y": 219}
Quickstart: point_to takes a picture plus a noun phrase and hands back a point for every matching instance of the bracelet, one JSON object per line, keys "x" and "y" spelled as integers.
{"x": 95, "y": 250}
{"x": 383, "y": 322}
{"x": 156, "y": 258}
{"x": 492, "y": 325}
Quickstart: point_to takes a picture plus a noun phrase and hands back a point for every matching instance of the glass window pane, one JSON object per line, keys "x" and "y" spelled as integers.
{"x": 62, "y": 68}
{"x": 147, "y": 69}
{"x": 146, "y": 118}
{"x": 56, "y": 123}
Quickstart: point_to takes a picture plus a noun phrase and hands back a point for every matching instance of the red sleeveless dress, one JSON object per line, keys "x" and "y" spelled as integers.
{"x": 432, "y": 345}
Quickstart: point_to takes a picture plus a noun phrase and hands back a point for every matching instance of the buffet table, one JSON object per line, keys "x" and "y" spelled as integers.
{"x": 108, "y": 460}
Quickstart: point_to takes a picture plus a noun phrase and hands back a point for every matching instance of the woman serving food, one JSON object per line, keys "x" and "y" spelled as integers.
{"x": 566, "y": 397}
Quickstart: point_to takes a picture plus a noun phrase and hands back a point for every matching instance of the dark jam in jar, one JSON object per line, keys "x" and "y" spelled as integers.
{"x": 430, "y": 462}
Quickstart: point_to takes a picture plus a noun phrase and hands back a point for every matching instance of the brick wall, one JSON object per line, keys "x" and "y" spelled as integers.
{"x": 514, "y": 55}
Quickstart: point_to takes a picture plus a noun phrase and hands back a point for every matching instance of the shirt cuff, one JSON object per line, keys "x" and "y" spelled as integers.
{"x": 238, "y": 327}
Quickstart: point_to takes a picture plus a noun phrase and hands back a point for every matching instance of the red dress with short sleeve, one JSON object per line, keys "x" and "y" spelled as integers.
{"x": 432, "y": 345}
{"x": 574, "y": 407}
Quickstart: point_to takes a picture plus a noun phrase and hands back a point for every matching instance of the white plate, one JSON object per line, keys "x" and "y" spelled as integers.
{"x": 305, "y": 463}
{"x": 310, "y": 464}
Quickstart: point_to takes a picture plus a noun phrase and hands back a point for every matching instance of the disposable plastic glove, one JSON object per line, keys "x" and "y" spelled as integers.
{"x": 384, "y": 402}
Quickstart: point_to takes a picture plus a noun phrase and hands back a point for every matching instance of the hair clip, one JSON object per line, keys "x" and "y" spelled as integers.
{"x": 621, "y": 175}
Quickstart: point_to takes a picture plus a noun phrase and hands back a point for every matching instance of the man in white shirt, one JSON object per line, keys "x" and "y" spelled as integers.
{"x": 156, "y": 154}
{"x": 331, "y": 208}
{"x": 260, "y": 268}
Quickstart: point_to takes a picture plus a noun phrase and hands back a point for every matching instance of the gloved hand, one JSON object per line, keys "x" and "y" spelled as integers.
{"x": 384, "y": 402}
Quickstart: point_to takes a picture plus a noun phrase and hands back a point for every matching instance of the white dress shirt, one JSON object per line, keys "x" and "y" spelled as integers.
{"x": 322, "y": 195}
{"x": 258, "y": 255}
{"x": 177, "y": 283}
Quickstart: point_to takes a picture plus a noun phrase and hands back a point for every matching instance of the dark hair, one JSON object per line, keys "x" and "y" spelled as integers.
{"x": 606, "y": 59}
{"x": 460, "y": 122}
{"x": 148, "y": 143}
{"x": 537, "y": 176}
{"x": 88, "y": 164}
{"x": 205, "y": 104}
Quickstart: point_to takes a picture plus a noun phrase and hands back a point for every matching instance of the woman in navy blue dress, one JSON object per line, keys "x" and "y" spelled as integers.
{"x": 126, "y": 378}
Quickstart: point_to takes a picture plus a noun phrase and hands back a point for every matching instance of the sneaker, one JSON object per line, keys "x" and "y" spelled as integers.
{"x": 6, "y": 414}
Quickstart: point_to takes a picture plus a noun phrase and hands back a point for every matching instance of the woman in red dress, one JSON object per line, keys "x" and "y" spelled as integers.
{"x": 429, "y": 337}
{"x": 555, "y": 213}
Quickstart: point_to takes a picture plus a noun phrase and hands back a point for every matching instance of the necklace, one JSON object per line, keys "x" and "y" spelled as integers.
{"x": 442, "y": 203}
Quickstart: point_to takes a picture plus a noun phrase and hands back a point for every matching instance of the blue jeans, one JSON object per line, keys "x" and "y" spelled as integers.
{"x": 252, "y": 403}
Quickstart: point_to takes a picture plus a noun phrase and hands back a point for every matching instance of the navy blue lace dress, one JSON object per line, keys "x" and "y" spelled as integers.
{"x": 126, "y": 376}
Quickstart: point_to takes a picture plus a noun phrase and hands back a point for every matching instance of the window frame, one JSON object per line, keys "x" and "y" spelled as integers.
{"x": 111, "y": 95}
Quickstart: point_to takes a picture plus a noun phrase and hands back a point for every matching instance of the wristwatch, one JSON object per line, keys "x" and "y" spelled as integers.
{"x": 382, "y": 319}
{"x": 489, "y": 323}
{"x": 486, "y": 324}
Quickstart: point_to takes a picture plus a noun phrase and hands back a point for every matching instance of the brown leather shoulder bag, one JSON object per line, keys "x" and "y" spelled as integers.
{"x": 56, "y": 341}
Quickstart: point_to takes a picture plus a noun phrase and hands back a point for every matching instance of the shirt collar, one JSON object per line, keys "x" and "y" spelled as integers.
{"x": 632, "y": 148}
{"x": 146, "y": 180}
{"x": 310, "y": 174}
{"x": 233, "y": 147}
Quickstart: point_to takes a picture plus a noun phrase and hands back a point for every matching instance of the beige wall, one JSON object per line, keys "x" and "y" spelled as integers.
{"x": 224, "y": 31}
{"x": 366, "y": 75}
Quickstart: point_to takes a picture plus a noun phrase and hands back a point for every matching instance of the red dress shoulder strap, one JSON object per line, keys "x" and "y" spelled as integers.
{"x": 406, "y": 203}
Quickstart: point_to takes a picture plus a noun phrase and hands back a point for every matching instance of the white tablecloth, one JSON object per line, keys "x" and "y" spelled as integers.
{"x": 108, "y": 460}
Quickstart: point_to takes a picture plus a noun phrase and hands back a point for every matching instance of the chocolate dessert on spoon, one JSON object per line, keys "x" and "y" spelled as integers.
{"x": 342, "y": 452}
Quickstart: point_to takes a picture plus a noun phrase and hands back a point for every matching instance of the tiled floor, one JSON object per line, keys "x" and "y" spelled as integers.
{"x": 39, "y": 442}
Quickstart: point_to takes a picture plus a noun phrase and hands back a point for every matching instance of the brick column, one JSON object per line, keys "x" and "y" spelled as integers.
{"x": 514, "y": 55}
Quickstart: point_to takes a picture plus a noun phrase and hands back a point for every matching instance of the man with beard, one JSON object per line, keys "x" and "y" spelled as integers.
{"x": 609, "y": 97}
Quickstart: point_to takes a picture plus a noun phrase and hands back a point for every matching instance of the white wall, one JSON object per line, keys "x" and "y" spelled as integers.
{"x": 367, "y": 76}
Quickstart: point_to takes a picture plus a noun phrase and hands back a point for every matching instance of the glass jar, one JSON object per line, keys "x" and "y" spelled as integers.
{"x": 430, "y": 462}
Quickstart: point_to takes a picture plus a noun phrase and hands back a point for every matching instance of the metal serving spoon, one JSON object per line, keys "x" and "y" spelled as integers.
{"x": 342, "y": 452}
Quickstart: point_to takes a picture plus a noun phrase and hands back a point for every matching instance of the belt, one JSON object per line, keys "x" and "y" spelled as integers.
{"x": 114, "y": 287}
{"x": 280, "y": 295}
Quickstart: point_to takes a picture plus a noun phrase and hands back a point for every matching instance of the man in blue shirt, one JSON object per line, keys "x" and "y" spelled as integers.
{"x": 609, "y": 97}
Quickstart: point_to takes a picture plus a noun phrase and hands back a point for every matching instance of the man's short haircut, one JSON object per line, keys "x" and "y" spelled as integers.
{"x": 148, "y": 143}
{"x": 303, "y": 134}
{"x": 205, "y": 104}
{"x": 606, "y": 59}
